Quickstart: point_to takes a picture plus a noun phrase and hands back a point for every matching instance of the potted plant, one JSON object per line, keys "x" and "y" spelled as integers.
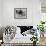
{"x": 34, "y": 39}
{"x": 41, "y": 27}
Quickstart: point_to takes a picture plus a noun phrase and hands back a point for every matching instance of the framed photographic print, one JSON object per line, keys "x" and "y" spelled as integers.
{"x": 20, "y": 13}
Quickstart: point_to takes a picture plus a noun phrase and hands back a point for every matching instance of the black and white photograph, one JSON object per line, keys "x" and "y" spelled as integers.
{"x": 20, "y": 13}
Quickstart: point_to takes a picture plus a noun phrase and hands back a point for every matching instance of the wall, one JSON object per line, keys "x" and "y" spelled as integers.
{"x": 33, "y": 12}
{"x": 36, "y": 7}
{"x": 1, "y": 12}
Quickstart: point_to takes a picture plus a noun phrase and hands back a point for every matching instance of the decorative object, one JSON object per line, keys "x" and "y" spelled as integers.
{"x": 25, "y": 28}
{"x": 41, "y": 27}
{"x": 20, "y": 13}
{"x": 9, "y": 33}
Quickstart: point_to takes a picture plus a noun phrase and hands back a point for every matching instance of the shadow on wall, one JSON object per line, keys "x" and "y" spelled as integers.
{"x": 2, "y": 29}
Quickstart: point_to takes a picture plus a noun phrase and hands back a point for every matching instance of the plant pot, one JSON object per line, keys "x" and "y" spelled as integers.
{"x": 42, "y": 34}
{"x": 34, "y": 43}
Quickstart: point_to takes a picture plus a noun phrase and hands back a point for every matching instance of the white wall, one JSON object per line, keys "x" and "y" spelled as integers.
{"x": 33, "y": 12}
{"x": 36, "y": 7}
{"x": 0, "y": 12}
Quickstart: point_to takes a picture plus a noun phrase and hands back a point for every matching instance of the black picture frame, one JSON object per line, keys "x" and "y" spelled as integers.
{"x": 20, "y": 13}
